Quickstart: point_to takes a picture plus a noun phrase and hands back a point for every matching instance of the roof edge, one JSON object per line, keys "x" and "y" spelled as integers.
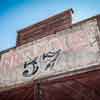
{"x": 84, "y": 20}
{"x": 6, "y": 50}
{"x": 30, "y": 26}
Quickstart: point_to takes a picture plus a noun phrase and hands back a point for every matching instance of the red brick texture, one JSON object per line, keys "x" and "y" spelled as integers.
{"x": 44, "y": 28}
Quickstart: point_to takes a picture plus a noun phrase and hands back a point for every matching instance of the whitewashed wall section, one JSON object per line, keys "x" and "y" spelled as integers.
{"x": 68, "y": 50}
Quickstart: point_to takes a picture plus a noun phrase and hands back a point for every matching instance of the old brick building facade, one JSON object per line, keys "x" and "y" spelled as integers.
{"x": 53, "y": 60}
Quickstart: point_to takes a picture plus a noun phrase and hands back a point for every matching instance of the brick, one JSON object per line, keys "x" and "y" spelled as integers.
{"x": 44, "y": 28}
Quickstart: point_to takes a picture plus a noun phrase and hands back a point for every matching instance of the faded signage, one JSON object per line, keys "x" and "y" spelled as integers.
{"x": 68, "y": 50}
{"x": 48, "y": 58}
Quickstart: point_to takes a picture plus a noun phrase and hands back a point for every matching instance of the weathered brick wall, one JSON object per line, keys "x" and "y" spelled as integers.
{"x": 78, "y": 47}
{"x": 71, "y": 49}
{"x": 44, "y": 28}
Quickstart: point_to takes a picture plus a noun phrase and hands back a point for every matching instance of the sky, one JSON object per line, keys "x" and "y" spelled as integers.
{"x": 18, "y": 14}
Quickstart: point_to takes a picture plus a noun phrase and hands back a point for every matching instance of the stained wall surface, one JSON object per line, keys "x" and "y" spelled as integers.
{"x": 74, "y": 48}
